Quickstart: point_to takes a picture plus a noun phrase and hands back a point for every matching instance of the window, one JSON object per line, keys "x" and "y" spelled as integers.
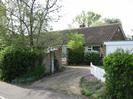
{"x": 90, "y": 48}
{"x": 96, "y": 48}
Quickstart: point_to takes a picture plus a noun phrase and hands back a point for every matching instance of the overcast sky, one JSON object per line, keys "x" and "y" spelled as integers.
{"x": 122, "y": 9}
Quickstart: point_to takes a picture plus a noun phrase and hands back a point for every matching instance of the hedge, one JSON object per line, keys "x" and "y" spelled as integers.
{"x": 16, "y": 61}
{"x": 119, "y": 75}
{"x": 75, "y": 57}
{"x": 93, "y": 57}
{"x": 36, "y": 73}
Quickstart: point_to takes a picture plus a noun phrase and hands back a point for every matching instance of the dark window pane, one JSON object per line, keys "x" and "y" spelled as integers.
{"x": 96, "y": 48}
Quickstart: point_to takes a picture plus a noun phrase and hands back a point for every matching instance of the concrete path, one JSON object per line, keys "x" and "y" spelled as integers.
{"x": 64, "y": 85}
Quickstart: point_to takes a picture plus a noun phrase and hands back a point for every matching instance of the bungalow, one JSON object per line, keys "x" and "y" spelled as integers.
{"x": 96, "y": 36}
{"x": 94, "y": 40}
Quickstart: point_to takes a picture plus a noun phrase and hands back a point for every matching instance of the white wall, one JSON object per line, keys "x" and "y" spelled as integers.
{"x": 112, "y": 46}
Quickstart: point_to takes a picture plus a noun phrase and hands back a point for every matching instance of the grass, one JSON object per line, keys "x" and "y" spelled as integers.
{"x": 91, "y": 87}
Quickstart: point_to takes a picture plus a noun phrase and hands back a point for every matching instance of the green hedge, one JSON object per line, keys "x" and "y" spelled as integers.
{"x": 119, "y": 75}
{"x": 78, "y": 57}
{"x": 93, "y": 57}
{"x": 16, "y": 61}
{"x": 36, "y": 73}
{"x": 75, "y": 57}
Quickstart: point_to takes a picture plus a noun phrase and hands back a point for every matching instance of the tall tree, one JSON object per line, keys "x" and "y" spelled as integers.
{"x": 30, "y": 17}
{"x": 87, "y": 18}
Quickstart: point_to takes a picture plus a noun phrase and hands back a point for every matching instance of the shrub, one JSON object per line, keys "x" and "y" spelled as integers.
{"x": 76, "y": 40}
{"x": 37, "y": 73}
{"x": 119, "y": 75}
{"x": 16, "y": 61}
{"x": 75, "y": 57}
{"x": 76, "y": 49}
{"x": 93, "y": 57}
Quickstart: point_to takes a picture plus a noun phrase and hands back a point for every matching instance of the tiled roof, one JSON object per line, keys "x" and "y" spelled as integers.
{"x": 96, "y": 35}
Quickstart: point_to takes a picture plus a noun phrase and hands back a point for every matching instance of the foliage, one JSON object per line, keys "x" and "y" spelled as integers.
{"x": 92, "y": 19}
{"x": 16, "y": 61}
{"x": 76, "y": 56}
{"x": 87, "y": 18}
{"x": 2, "y": 14}
{"x": 37, "y": 73}
{"x": 50, "y": 39}
{"x": 3, "y": 27}
{"x": 119, "y": 75}
{"x": 15, "y": 40}
{"x": 99, "y": 23}
{"x": 93, "y": 57}
{"x": 3, "y": 37}
{"x": 111, "y": 21}
{"x": 76, "y": 40}
{"x": 91, "y": 87}
{"x": 6, "y": 37}
{"x": 30, "y": 17}
{"x": 76, "y": 49}
{"x": 18, "y": 40}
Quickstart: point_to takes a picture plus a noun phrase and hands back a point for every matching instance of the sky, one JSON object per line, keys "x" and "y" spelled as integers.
{"x": 122, "y": 9}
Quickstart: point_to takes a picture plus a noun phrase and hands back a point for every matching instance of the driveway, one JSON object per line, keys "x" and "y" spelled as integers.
{"x": 66, "y": 82}
{"x": 63, "y": 85}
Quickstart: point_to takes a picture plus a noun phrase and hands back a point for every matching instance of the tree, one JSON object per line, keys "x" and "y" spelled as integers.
{"x": 112, "y": 20}
{"x": 76, "y": 48}
{"x": 76, "y": 41}
{"x": 29, "y": 17}
{"x": 4, "y": 36}
{"x": 87, "y": 18}
{"x": 51, "y": 39}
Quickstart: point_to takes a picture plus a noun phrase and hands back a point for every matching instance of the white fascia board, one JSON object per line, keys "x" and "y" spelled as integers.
{"x": 114, "y": 43}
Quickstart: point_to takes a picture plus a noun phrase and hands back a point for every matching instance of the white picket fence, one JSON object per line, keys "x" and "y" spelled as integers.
{"x": 97, "y": 72}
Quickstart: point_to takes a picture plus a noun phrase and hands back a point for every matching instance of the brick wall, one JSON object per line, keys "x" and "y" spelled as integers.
{"x": 47, "y": 60}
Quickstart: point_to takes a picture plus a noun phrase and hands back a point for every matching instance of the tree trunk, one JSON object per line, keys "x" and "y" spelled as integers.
{"x": 31, "y": 41}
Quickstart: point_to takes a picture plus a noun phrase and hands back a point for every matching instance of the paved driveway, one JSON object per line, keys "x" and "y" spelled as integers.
{"x": 64, "y": 85}
{"x": 66, "y": 82}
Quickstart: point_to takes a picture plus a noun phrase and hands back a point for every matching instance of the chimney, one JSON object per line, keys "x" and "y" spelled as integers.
{"x": 82, "y": 25}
